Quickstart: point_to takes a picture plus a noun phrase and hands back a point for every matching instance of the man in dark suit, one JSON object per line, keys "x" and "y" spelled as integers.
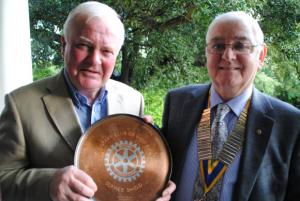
{"x": 42, "y": 122}
{"x": 260, "y": 158}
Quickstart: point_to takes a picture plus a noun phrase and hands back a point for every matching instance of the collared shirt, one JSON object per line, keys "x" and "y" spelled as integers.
{"x": 87, "y": 114}
{"x": 191, "y": 165}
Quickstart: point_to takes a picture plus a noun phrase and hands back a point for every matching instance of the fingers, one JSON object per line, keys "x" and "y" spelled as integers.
{"x": 83, "y": 184}
{"x": 148, "y": 119}
{"x": 170, "y": 189}
{"x": 70, "y": 183}
{"x": 166, "y": 194}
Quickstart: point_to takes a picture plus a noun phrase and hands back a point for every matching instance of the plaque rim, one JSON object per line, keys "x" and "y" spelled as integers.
{"x": 120, "y": 115}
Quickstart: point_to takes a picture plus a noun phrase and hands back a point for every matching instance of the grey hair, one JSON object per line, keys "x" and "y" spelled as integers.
{"x": 93, "y": 9}
{"x": 238, "y": 16}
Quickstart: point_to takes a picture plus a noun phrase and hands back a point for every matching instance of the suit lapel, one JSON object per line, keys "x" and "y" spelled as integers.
{"x": 259, "y": 127}
{"x": 190, "y": 114}
{"x": 61, "y": 110}
{"x": 192, "y": 111}
{"x": 114, "y": 100}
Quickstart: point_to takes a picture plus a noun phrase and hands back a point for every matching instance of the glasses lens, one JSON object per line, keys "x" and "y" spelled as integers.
{"x": 237, "y": 47}
{"x": 216, "y": 48}
{"x": 241, "y": 48}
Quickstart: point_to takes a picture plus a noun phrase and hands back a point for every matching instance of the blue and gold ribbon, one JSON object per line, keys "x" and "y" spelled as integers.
{"x": 211, "y": 171}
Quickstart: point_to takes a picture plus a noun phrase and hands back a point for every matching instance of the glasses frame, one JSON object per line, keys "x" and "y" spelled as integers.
{"x": 229, "y": 45}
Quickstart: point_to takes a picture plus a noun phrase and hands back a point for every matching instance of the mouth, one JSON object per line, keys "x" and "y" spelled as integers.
{"x": 90, "y": 72}
{"x": 87, "y": 70}
{"x": 229, "y": 68}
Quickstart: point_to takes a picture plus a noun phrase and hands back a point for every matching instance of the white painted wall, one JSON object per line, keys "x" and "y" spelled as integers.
{"x": 15, "y": 49}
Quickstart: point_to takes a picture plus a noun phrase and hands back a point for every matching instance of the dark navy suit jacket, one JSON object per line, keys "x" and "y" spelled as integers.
{"x": 270, "y": 161}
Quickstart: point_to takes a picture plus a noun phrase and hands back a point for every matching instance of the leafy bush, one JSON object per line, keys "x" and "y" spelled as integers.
{"x": 154, "y": 99}
{"x": 39, "y": 73}
{"x": 164, "y": 80}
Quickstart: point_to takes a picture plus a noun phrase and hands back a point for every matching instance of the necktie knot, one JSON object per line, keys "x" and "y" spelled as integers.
{"x": 222, "y": 111}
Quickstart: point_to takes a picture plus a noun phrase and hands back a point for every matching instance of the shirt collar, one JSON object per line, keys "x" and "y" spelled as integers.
{"x": 236, "y": 104}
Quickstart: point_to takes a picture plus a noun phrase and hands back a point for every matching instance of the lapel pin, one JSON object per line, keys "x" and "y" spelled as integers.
{"x": 258, "y": 131}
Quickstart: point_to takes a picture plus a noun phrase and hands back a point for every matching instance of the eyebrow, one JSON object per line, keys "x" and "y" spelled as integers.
{"x": 85, "y": 39}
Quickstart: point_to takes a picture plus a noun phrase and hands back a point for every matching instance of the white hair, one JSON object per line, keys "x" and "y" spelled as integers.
{"x": 89, "y": 10}
{"x": 238, "y": 16}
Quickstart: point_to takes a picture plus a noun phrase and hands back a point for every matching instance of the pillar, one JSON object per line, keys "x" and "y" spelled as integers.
{"x": 15, "y": 49}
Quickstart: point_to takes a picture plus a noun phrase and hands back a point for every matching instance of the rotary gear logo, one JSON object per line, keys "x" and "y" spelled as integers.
{"x": 124, "y": 161}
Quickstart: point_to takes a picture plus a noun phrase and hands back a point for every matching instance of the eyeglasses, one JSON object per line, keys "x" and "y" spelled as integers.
{"x": 237, "y": 47}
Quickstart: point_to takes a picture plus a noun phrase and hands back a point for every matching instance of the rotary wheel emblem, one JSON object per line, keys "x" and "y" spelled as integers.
{"x": 124, "y": 161}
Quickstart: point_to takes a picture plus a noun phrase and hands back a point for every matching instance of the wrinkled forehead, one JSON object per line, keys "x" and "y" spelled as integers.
{"x": 105, "y": 22}
{"x": 109, "y": 23}
{"x": 104, "y": 26}
{"x": 230, "y": 30}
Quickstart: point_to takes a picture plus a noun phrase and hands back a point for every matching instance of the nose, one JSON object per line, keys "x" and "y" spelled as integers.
{"x": 228, "y": 53}
{"x": 95, "y": 57}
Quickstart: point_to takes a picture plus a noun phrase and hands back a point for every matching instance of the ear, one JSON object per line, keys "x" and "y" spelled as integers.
{"x": 262, "y": 55}
{"x": 63, "y": 45}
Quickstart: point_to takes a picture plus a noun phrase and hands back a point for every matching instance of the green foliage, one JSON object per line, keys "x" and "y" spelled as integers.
{"x": 283, "y": 38}
{"x": 154, "y": 99}
{"x": 165, "y": 43}
{"x": 282, "y": 75}
{"x": 172, "y": 57}
{"x": 39, "y": 73}
{"x": 46, "y": 22}
{"x": 266, "y": 83}
{"x": 163, "y": 81}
